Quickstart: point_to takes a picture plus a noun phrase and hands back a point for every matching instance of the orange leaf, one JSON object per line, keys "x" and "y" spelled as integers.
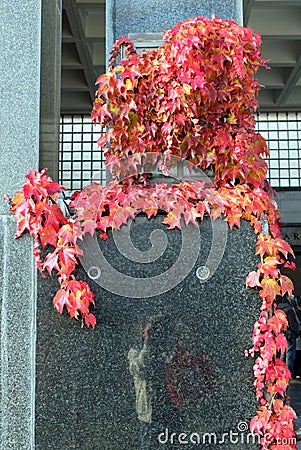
{"x": 287, "y": 285}
{"x": 233, "y": 219}
{"x": 17, "y": 199}
{"x": 265, "y": 245}
{"x": 270, "y": 288}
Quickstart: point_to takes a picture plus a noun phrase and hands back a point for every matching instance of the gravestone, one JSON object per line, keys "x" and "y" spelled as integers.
{"x": 182, "y": 349}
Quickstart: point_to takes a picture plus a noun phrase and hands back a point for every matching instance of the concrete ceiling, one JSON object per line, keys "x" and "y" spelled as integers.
{"x": 278, "y": 22}
{"x": 83, "y": 53}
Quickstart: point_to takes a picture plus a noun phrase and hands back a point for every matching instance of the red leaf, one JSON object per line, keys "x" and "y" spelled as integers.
{"x": 252, "y": 279}
{"x": 48, "y": 235}
{"x": 90, "y": 319}
{"x": 281, "y": 343}
{"x": 259, "y": 423}
{"x": 265, "y": 246}
{"x": 66, "y": 235}
{"x": 290, "y": 265}
{"x": 51, "y": 262}
{"x": 287, "y": 285}
{"x": 283, "y": 247}
{"x": 89, "y": 226}
{"x": 53, "y": 187}
{"x": 60, "y": 299}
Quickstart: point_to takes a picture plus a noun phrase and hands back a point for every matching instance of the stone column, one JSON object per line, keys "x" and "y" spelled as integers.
{"x": 20, "y": 78}
{"x": 50, "y": 87}
{"x": 155, "y": 16}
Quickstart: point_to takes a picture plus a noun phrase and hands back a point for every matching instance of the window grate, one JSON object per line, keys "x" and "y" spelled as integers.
{"x": 282, "y": 132}
{"x": 81, "y": 160}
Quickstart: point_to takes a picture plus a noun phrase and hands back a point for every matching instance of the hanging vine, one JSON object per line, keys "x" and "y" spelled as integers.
{"x": 194, "y": 98}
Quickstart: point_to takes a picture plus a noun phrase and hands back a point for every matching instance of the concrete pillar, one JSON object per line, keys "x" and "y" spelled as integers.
{"x": 50, "y": 87}
{"x": 20, "y": 79}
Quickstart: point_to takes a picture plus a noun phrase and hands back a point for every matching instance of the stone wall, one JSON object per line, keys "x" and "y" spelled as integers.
{"x": 85, "y": 395}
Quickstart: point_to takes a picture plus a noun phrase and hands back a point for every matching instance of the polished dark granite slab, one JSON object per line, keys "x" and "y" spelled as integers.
{"x": 85, "y": 392}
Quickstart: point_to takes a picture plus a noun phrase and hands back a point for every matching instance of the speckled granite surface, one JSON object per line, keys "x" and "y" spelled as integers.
{"x": 85, "y": 395}
{"x": 155, "y": 16}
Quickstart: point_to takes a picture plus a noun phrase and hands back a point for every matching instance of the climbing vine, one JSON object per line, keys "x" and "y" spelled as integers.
{"x": 194, "y": 98}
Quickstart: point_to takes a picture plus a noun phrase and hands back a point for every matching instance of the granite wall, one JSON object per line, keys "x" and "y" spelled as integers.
{"x": 20, "y": 50}
{"x": 85, "y": 391}
{"x": 20, "y": 99}
{"x": 75, "y": 389}
{"x": 50, "y": 86}
{"x": 155, "y": 16}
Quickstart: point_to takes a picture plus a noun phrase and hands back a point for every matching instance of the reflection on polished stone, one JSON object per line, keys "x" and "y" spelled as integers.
{"x": 159, "y": 372}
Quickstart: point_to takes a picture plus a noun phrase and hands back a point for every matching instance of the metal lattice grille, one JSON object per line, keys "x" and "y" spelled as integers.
{"x": 282, "y": 132}
{"x": 81, "y": 160}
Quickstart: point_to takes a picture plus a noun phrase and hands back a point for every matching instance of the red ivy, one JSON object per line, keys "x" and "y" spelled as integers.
{"x": 37, "y": 212}
{"x": 194, "y": 98}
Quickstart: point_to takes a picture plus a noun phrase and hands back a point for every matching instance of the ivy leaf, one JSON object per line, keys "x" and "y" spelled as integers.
{"x": 60, "y": 299}
{"x": 18, "y": 199}
{"x": 260, "y": 421}
{"x": 287, "y": 285}
{"x": 52, "y": 187}
{"x": 191, "y": 215}
{"x": 131, "y": 73}
{"x": 51, "y": 262}
{"x": 48, "y": 235}
{"x": 252, "y": 279}
{"x": 265, "y": 246}
{"x": 172, "y": 220}
{"x": 89, "y": 226}
{"x": 270, "y": 288}
{"x": 234, "y": 219}
{"x": 287, "y": 415}
{"x": 90, "y": 320}
{"x": 278, "y": 322}
{"x": 283, "y": 247}
{"x": 290, "y": 265}
{"x": 66, "y": 235}
{"x": 281, "y": 343}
